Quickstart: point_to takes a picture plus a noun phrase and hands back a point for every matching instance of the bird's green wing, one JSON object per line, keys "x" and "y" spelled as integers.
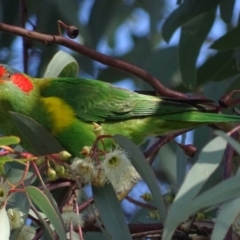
{"x": 97, "y": 101}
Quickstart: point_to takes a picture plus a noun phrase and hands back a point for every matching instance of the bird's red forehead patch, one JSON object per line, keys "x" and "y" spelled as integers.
{"x": 22, "y": 82}
{"x": 2, "y": 71}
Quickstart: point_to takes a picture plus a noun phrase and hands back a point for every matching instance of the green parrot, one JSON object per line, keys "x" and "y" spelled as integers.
{"x": 68, "y": 107}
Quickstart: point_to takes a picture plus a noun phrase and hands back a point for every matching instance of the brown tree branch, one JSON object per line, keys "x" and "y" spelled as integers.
{"x": 116, "y": 63}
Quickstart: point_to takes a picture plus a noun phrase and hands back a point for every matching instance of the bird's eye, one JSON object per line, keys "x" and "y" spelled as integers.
{"x": 7, "y": 75}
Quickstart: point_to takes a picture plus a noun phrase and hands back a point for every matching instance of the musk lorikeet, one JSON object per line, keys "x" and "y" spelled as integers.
{"x": 67, "y": 107}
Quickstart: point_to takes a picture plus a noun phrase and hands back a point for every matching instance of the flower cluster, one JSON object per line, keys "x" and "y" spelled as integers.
{"x": 13, "y": 217}
{"x": 72, "y": 218}
{"x": 115, "y": 167}
{"x": 27, "y": 233}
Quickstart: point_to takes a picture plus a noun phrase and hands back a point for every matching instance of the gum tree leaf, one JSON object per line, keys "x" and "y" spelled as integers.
{"x": 208, "y": 161}
{"x": 62, "y": 65}
{"x": 193, "y": 34}
{"x": 38, "y": 137}
{"x": 228, "y": 41}
{"x": 111, "y": 212}
{"x": 184, "y": 13}
{"x": 218, "y": 67}
{"x": 228, "y": 212}
{"x": 226, "y": 10}
{"x": 45, "y": 206}
{"x": 9, "y": 140}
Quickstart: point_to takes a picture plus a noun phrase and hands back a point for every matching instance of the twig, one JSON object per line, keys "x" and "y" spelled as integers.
{"x": 228, "y": 155}
{"x": 162, "y": 141}
{"x": 148, "y": 234}
{"x": 141, "y": 204}
{"x": 116, "y": 63}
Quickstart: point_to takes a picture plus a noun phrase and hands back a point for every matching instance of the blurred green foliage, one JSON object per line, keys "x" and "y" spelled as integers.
{"x": 111, "y": 25}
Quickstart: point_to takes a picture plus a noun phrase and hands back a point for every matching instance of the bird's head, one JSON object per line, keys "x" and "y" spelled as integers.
{"x": 17, "y": 90}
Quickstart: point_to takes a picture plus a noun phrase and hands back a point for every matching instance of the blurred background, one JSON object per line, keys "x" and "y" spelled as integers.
{"x": 134, "y": 31}
{"x": 130, "y": 30}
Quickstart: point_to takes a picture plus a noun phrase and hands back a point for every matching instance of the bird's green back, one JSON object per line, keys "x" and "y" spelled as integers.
{"x": 97, "y": 101}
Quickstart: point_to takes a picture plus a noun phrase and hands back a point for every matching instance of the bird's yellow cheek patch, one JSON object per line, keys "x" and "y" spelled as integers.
{"x": 60, "y": 113}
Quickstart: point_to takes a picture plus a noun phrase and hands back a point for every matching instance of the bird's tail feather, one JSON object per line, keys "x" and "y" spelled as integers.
{"x": 201, "y": 117}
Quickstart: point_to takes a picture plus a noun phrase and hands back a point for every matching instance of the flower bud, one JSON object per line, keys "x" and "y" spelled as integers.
{"x": 97, "y": 129}
{"x": 64, "y": 155}
{"x": 154, "y": 214}
{"x": 147, "y": 197}
{"x": 60, "y": 170}
{"x": 51, "y": 173}
{"x": 40, "y": 161}
{"x": 86, "y": 150}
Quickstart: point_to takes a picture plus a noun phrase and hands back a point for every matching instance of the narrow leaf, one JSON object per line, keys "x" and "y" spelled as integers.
{"x": 185, "y": 13}
{"x": 224, "y": 191}
{"x": 226, "y": 10}
{"x": 140, "y": 164}
{"x": 228, "y": 41}
{"x": 37, "y": 136}
{"x": 173, "y": 22}
{"x": 193, "y": 34}
{"x": 219, "y": 67}
{"x": 48, "y": 233}
{"x": 229, "y": 139}
{"x": 44, "y": 205}
{"x": 4, "y": 159}
{"x": 209, "y": 159}
{"x": 181, "y": 166}
{"x": 111, "y": 212}
{"x": 62, "y": 65}
{"x": 9, "y": 140}
{"x": 228, "y": 212}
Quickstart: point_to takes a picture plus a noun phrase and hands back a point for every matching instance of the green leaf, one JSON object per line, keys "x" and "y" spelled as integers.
{"x": 62, "y": 65}
{"x": 44, "y": 205}
{"x": 168, "y": 165}
{"x": 230, "y": 140}
{"x": 48, "y": 234}
{"x": 193, "y": 34}
{"x": 4, "y": 159}
{"x": 181, "y": 165}
{"x": 209, "y": 159}
{"x": 163, "y": 64}
{"x": 223, "y": 192}
{"x": 226, "y": 10}
{"x": 228, "y": 41}
{"x": 99, "y": 20}
{"x": 37, "y": 136}
{"x": 184, "y": 13}
{"x": 219, "y": 67}
{"x": 140, "y": 164}
{"x": 226, "y": 216}
{"x": 9, "y": 140}
{"x": 111, "y": 212}
{"x": 174, "y": 21}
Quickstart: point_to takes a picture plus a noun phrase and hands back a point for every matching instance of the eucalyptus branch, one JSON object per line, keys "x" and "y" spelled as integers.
{"x": 102, "y": 58}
